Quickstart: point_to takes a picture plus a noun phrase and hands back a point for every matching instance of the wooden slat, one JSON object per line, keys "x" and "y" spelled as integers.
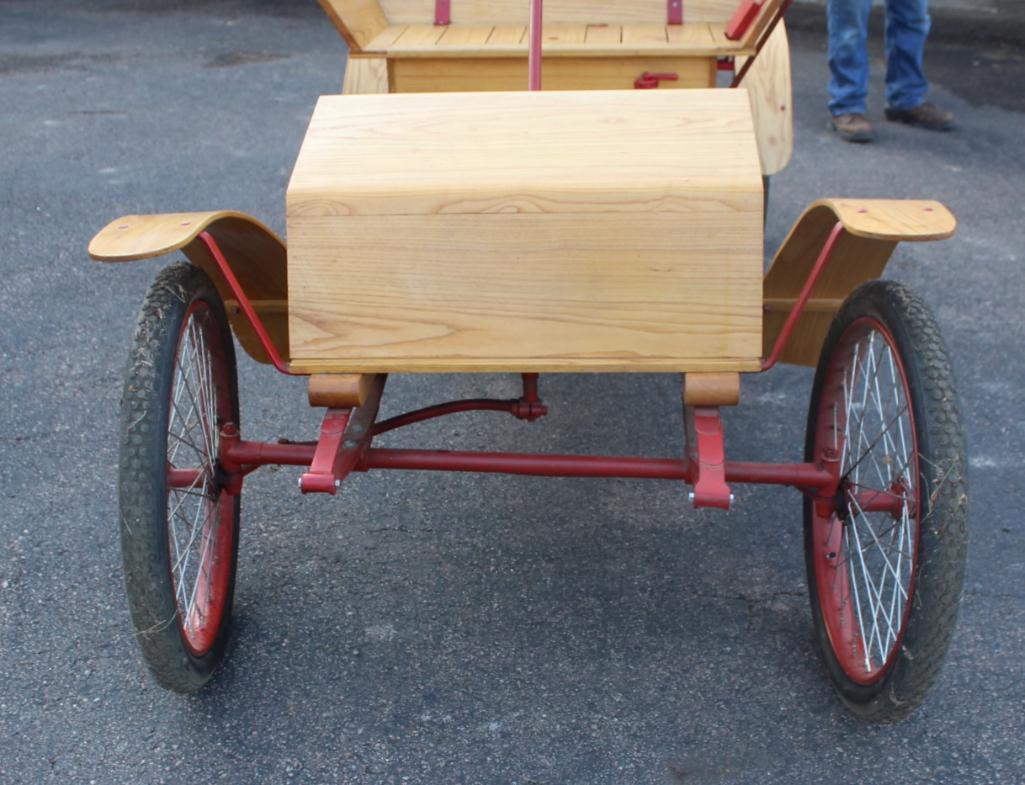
{"x": 694, "y": 35}
{"x": 458, "y": 233}
{"x": 465, "y": 37}
{"x": 418, "y": 37}
{"x": 604, "y": 34}
{"x": 507, "y": 35}
{"x": 645, "y": 34}
{"x": 385, "y": 39}
{"x": 554, "y": 34}
{"x": 508, "y": 12}
{"x": 695, "y": 40}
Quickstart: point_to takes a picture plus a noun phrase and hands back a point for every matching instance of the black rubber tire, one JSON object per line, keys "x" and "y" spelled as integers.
{"x": 143, "y": 493}
{"x": 939, "y": 580}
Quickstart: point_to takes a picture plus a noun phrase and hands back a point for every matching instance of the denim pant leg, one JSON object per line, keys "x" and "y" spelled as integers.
{"x": 907, "y": 27}
{"x": 848, "y": 55}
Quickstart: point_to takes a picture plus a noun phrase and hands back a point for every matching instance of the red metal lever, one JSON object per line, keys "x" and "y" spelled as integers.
{"x": 649, "y": 81}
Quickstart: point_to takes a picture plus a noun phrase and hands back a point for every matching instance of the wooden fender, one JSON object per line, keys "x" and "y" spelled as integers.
{"x": 872, "y": 229}
{"x": 255, "y": 253}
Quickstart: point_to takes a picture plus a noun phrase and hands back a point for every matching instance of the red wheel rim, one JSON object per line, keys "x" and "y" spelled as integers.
{"x": 200, "y": 514}
{"x": 865, "y": 552}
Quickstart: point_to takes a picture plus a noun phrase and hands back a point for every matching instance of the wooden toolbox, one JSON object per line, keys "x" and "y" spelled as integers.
{"x": 545, "y": 231}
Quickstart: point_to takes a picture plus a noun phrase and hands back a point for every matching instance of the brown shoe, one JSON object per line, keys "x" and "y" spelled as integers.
{"x": 924, "y": 116}
{"x": 852, "y": 127}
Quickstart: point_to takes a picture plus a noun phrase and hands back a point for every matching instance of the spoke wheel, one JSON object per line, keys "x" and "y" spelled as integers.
{"x": 886, "y": 557}
{"x": 179, "y": 525}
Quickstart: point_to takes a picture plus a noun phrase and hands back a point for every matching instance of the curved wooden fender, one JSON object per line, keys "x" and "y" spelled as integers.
{"x": 255, "y": 253}
{"x": 771, "y": 95}
{"x": 872, "y": 229}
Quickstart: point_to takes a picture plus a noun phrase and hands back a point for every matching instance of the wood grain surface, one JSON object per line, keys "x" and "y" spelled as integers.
{"x": 527, "y": 231}
{"x": 474, "y": 74}
{"x": 872, "y": 229}
{"x": 563, "y": 39}
{"x": 255, "y": 253}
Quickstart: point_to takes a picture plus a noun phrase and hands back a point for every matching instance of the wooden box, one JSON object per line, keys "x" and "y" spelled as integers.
{"x": 562, "y": 231}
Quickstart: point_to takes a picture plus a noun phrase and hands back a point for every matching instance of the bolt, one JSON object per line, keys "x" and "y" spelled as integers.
{"x": 338, "y": 484}
{"x": 300, "y": 483}
{"x": 732, "y": 499}
{"x": 690, "y": 497}
{"x": 350, "y": 444}
{"x": 831, "y": 555}
{"x": 356, "y": 429}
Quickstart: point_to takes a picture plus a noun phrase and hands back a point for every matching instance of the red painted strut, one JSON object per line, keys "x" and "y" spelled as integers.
{"x": 799, "y": 475}
{"x": 534, "y": 56}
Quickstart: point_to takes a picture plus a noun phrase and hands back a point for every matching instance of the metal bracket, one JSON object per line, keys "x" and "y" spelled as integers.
{"x": 649, "y": 80}
{"x": 674, "y": 12}
{"x": 706, "y": 453}
{"x": 344, "y": 439}
{"x": 442, "y": 12}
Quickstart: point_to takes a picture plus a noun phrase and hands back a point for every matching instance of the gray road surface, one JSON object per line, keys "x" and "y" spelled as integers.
{"x": 458, "y": 629}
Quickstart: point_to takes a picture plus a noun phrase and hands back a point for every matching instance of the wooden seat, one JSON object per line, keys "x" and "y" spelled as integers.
{"x": 395, "y": 47}
{"x": 560, "y": 40}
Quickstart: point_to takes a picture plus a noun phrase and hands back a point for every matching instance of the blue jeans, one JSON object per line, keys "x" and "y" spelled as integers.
{"x": 907, "y": 26}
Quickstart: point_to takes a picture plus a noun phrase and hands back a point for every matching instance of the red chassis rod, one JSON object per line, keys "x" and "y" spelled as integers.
{"x": 341, "y": 449}
{"x": 803, "y": 476}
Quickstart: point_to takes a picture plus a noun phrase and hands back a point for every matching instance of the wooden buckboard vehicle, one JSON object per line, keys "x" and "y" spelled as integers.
{"x": 549, "y": 231}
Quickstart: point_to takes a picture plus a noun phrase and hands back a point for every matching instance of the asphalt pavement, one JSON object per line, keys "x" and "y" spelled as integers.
{"x": 457, "y": 628}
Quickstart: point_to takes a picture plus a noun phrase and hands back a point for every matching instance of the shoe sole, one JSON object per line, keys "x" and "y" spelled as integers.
{"x": 858, "y": 137}
{"x": 897, "y": 117}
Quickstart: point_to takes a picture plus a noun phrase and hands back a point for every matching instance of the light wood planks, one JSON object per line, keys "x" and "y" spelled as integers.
{"x": 256, "y": 256}
{"x": 358, "y": 21}
{"x": 506, "y": 12}
{"x": 873, "y": 227}
{"x": 527, "y": 231}
{"x": 471, "y": 74}
{"x": 560, "y": 40}
{"x": 365, "y": 76}
{"x": 769, "y": 88}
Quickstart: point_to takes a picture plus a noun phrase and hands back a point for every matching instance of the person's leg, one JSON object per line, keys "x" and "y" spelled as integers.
{"x": 848, "y": 55}
{"x": 907, "y": 27}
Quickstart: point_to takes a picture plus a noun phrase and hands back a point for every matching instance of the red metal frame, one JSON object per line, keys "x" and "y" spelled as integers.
{"x": 534, "y": 54}
{"x": 346, "y": 435}
{"x": 802, "y": 299}
{"x": 442, "y": 12}
{"x": 247, "y": 307}
{"x": 674, "y": 12}
{"x": 780, "y": 12}
{"x": 743, "y": 18}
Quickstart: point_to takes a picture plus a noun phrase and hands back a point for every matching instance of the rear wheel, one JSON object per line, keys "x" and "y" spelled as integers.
{"x": 179, "y": 525}
{"x": 886, "y": 558}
